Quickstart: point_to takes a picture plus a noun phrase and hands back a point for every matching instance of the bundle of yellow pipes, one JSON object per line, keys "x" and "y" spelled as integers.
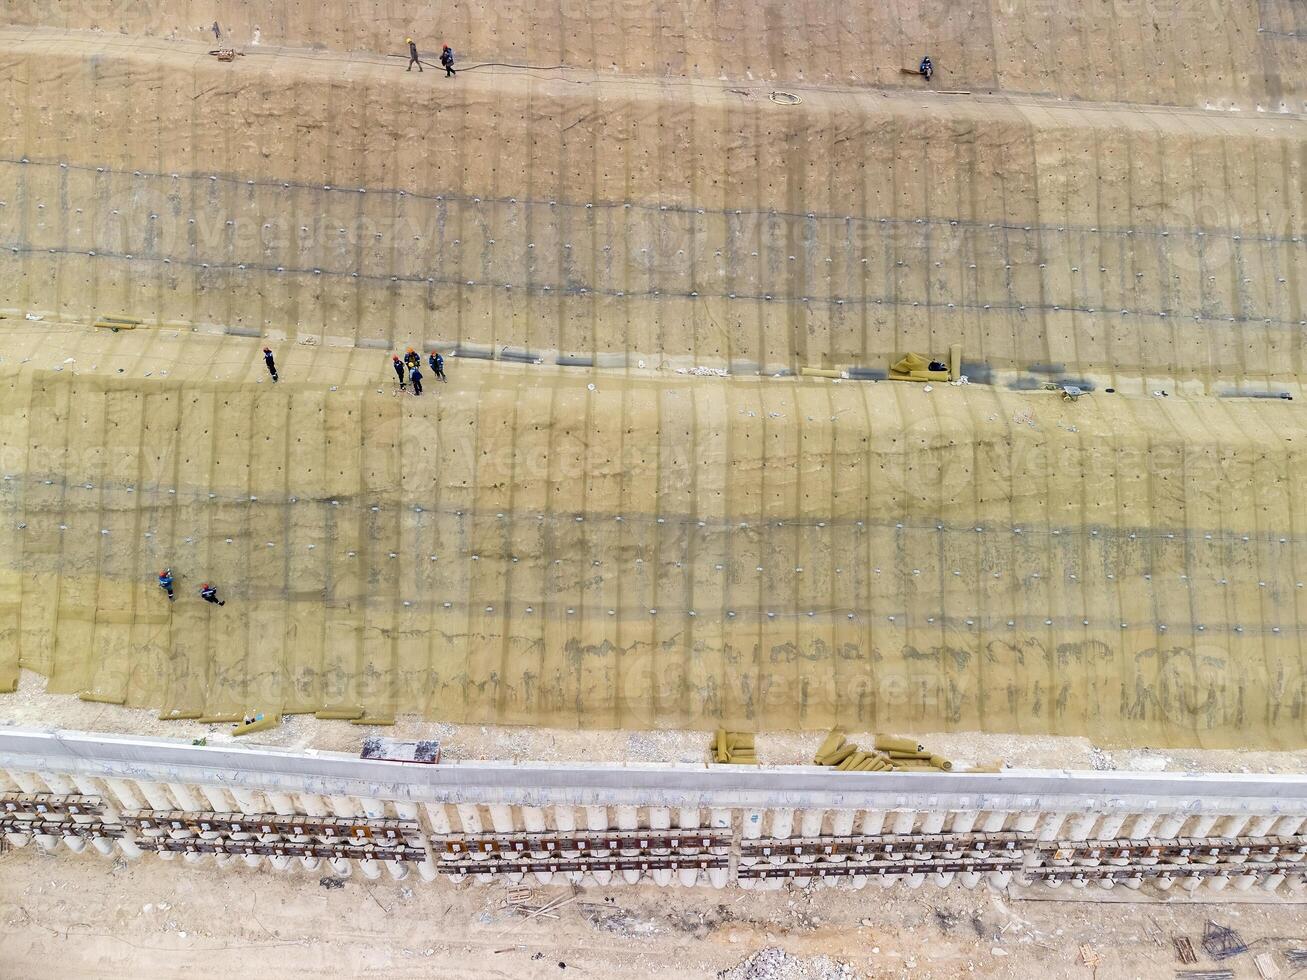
{"x": 890, "y": 753}
{"x": 734, "y": 747}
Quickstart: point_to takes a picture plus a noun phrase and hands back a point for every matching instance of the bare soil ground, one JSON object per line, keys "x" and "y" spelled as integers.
{"x": 76, "y": 916}
{"x": 32, "y": 706}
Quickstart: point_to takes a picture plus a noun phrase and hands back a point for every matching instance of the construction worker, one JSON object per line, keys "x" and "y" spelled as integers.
{"x": 398, "y": 365}
{"x": 269, "y": 360}
{"x": 415, "y": 376}
{"x": 412, "y": 359}
{"x": 413, "y": 58}
{"x": 165, "y": 583}
{"x": 438, "y": 366}
{"x": 927, "y": 68}
{"x": 209, "y": 593}
{"x": 447, "y": 59}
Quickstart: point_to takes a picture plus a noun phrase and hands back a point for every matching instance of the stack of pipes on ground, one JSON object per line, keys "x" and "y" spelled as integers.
{"x": 734, "y": 747}
{"x": 890, "y": 754}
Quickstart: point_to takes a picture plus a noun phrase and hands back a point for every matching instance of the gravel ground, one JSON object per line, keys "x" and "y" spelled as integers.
{"x": 31, "y": 705}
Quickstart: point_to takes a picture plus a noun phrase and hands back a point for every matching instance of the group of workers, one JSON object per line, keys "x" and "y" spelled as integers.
{"x": 412, "y": 365}
{"x": 208, "y": 592}
{"x": 408, "y": 371}
{"x": 926, "y": 69}
{"x": 446, "y": 58}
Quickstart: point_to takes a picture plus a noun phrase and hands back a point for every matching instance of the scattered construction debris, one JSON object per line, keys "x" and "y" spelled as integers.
{"x": 381, "y": 749}
{"x": 116, "y": 323}
{"x": 914, "y": 367}
{"x": 1265, "y": 964}
{"x": 1070, "y": 392}
{"x": 1221, "y": 942}
{"x": 1184, "y": 949}
{"x": 256, "y": 722}
{"x": 816, "y": 371}
{"x": 519, "y": 901}
{"x": 772, "y": 963}
{"x": 917, "y": 367}
{"x": 734, "y": 748}
{"x": 890, "y": 753}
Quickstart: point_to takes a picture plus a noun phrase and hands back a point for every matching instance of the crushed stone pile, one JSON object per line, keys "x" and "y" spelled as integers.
{"x": 773, "y": 963}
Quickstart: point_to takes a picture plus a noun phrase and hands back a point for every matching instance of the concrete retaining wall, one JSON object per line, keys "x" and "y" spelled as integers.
{"x": 686, "y": 824}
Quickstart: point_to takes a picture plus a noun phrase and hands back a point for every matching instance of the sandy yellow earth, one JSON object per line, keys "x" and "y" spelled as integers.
{"x": 1248, "y": 53}
{"x": 531, "y": 544}
{"x": 612, "y": 220}
{"x": 630, "y": 508}
{"x": 168, "y": 917}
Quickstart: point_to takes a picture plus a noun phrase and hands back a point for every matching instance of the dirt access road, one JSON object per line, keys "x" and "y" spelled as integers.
{"x": 74, "y": 916}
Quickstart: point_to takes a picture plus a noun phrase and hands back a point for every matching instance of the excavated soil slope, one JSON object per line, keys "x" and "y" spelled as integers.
{"x": 1245, "y": 53}
{"x": 618, "y": 220}
{"x": 572, "y": 533}
{"x": 533, "y": 545}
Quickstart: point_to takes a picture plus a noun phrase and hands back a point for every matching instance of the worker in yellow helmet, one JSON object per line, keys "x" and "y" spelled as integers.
{"x": 413, "y": 58}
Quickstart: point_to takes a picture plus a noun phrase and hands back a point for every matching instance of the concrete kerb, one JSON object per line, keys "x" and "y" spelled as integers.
{"x": 533, "y": 784}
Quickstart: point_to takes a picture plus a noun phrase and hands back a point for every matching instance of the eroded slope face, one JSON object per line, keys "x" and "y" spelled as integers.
{"x": 623, "y": 222}
{"x": 1249, "y": 53}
